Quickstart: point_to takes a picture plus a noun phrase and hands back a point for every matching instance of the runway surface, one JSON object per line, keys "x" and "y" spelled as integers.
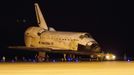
{"x": 68, "y": 68}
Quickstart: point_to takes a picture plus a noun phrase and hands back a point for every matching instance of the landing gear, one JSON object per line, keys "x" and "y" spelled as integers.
{"x": 41, "y": 56}
{"x": 55, "y": 57}
{"x": 59, "y": 57}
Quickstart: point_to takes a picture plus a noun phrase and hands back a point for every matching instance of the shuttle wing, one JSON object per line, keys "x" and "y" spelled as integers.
{"x": 50, "y": 50}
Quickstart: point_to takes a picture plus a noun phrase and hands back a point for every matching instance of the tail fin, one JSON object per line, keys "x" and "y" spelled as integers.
{"x": 40, "y": 18}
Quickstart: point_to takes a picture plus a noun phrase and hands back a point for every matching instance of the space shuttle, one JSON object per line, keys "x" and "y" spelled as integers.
{"x": 46, "y": 39}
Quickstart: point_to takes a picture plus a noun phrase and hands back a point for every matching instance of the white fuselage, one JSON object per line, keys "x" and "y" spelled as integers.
{"x": 38, "y": 37}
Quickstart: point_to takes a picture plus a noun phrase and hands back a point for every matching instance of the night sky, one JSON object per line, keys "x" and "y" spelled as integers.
{"x": 109, "y": 22}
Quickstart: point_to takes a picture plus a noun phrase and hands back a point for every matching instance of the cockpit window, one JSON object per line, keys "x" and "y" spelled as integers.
{"x": 81, "y": 36}
{"x": 85, "y": 36}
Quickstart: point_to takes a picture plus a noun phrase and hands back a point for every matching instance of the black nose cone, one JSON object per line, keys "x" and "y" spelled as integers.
{"x": 93, "y": 48}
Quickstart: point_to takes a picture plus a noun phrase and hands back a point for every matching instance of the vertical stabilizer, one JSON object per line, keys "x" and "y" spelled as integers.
{"x": 40, "y": 19}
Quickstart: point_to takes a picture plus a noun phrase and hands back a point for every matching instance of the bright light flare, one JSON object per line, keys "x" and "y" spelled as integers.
{"x": 107, "y": 57}
{"x": 114, "y": 57}
{"x": 110, "y": 57}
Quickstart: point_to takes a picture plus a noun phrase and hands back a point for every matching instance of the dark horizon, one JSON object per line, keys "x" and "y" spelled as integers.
{"x": 109, "y": 22}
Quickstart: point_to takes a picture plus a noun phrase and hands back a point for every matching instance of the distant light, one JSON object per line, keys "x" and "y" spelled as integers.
{"x": 128, "y": 60}
{"x": 69, "y": 59}
{"x": 76, "y": 60}
{"x": 3, "y": 59}
{"x": 53, "y": 60}
{"x": 34, "y": 61}
{"x": 21, "y": 20}
{"x": 29, "y": 59}
{"x": 13, "y": 61}
{"x": 24, "y": 20}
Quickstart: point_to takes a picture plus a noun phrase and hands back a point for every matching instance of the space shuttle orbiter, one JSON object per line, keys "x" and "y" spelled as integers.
{"x": 45, "y": 39}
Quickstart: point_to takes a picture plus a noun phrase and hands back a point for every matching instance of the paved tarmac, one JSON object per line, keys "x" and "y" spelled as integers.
{"x": 68, "y": 68}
